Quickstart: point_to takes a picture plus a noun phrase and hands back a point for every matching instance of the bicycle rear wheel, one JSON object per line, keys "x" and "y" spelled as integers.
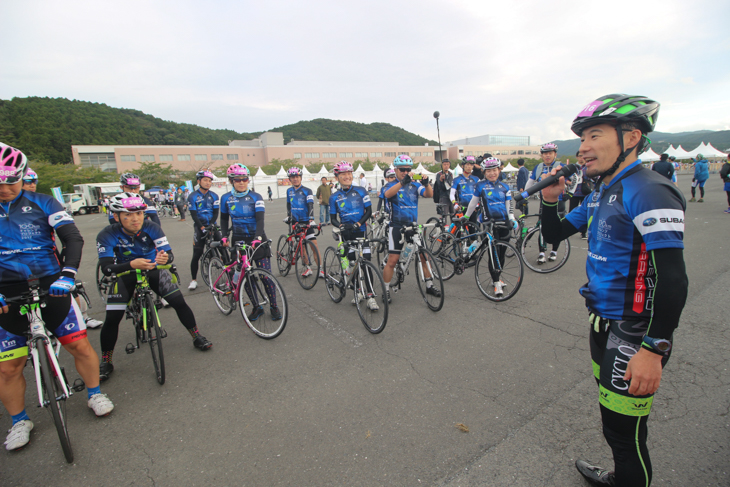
{"x": 333, "y": 278}
{"x": 373, "y": 319}
{"x": 432, "y": 235}
{"x": 283, "y": 255}
{"x": 205, "y": 264}
{"x": 102, "y": 282}
{"x": 434, "y": 299}
{"x": 222, "y": 286}
{"x": 531, "y": 249}
{"x": 154, "y": 338}
{"x": 262, "y": 303}
{"x": 446, "y": 258}
{"x": 507, "y": 267}
{"x": 308, "y": 258}
{"x": 54, "y": 398}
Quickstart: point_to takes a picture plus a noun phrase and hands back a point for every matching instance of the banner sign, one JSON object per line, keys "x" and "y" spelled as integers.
{"x": 57, "y": 194}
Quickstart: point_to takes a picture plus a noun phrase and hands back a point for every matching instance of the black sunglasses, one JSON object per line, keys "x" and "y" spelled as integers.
{"x": 240, "y": 180}
{"x": 404, "y": 169}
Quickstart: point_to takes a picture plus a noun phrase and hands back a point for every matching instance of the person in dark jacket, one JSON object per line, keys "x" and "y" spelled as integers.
{"x": 725, "y": 175}
{"x": 664, "y": 167}
{"x": 442, "y": 187}
{"x": 522, "y": 176}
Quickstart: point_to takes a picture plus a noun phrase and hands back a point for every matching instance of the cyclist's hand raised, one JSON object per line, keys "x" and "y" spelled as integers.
{"x": 3, "y": 304}
{"x": 162, "y": 257}
{"x": 142, "y": 264}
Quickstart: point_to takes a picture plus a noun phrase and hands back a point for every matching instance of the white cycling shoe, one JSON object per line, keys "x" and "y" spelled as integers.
{"x": 553, "y": 256}
{"x": 100, "y": 404}
{"x": 193, "y": 285}
{"x": 18, "y": 435}
{"x": 541, "y": 258}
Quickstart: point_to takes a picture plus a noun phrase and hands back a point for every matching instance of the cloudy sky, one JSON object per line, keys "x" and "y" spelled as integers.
{"x": 510, "y": 68}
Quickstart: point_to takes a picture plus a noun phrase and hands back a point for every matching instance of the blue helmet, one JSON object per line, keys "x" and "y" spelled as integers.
{"x": 402, "y": 161}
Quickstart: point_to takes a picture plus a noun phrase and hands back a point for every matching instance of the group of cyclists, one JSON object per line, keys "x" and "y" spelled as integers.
{"x": 636, "y": 289}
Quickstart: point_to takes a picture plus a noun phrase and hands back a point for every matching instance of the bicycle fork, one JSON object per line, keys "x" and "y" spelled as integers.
{"x": 38, "y": 332}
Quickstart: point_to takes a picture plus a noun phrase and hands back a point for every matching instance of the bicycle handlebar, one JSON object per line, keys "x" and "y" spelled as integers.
{"x": 145, "y": 271}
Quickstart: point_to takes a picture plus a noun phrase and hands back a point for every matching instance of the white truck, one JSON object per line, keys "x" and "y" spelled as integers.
{"x": 76, "y": 204}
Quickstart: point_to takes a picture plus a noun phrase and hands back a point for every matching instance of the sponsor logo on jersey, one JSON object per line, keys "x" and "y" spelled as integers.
{"x": 70, "y": 326}
{"x": 9, "y": 343}
{"x": 27, "y": 209}
{"x": 597, "y": 257}
{"x": 671, "y": 220}
{"x": 649, "y": 222}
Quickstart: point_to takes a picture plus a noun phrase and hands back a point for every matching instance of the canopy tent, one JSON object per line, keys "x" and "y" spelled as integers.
{"x": 281, "y": 173}
{"x": 323, "y": 171}
{"x": 260, "y": 173}
{"x": 680, "y": 153}
{"x": 359, "y": 170}
{"x": 509, "y": 168}
{"x": 305, "y": 171}
{"x": 649, "y": 156}
{"x": 377, "y": 170}
{"x": 710, "y": 151}
{"x": 422, "y": 170}
{"x": 700, "y": 149}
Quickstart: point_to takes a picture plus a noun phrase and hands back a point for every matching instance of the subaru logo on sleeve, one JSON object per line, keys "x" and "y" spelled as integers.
{"x": 649, "y": 222}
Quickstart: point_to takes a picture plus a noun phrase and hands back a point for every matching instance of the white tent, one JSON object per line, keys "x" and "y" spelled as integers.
{"x": 649, "y": 156}
{"x": 359, "y": 170}
{"x": 710, "y": 151}
{"x": 509, "y": 168}
{"x": 323, "y": 171}
{"x": 281, "y": 173}
{"x": 260, "y": 173}
{"x": 305, "y": 171}
{"x": 422, "y": 170}
{"x": 680, "y": 153}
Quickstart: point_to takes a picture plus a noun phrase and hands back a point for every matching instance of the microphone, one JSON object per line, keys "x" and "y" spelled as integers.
{"x": 566, "y": 171}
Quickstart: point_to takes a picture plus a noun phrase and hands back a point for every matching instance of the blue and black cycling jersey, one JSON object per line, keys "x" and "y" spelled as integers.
{"x": 300, "y": 203}
{"x": 205, "y": 206}
{"x": 242, "y": 211}
{"x": 543, "y": 169}
{"x": 382, "y": 201}
{"x": 150, "y": 213}
{"x": 404, "y": 205}
{"x": 495, "y": 199}
{"x": 349, "y": 205}
{"x": 465, "y": 188}
{"x": 27, "y": 240}
{"x": 114, "y": 242}
{"x": 637, "y": 212}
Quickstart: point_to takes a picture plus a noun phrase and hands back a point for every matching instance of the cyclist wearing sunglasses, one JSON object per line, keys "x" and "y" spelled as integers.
{"x": 245, "y": 210}
{"x": 203, "y": 205}
{"x": 131, "y": 183}
{"x": 300, "y": 209}
{"x": 464, "y": 187}
{"x": 30, "y": 180}
{"x": 402, "y": 194}
{"x": 28, "y": 246}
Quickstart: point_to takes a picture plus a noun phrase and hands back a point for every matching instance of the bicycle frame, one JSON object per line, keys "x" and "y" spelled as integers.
{"x": 417, "y": 238}
{"x": 299, "y": 233}
{"x": 244, "y": 258}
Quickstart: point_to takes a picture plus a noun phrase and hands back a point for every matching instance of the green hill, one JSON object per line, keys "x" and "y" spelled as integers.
{"x": 660, "y": 141}
{"x": 45, "y": 129}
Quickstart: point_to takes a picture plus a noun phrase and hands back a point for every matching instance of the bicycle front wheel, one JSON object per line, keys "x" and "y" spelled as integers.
{"x": 427, "y": 270}
{"x": 54, "y": 398}
{"x": 372, "y": 306}
{"x": 499, "y": 274}
{"x": 447, "y": 257}
{"x": 283, "y": 255}
{"x": 205, "y": 265}
{"x": 533, "y": 245}
{"x": 334, "y": 280}
{"x": 307, "y": 265}
{"x": 154, "y": 338}
{"x": 102, "y": 282}
{"x": 432, "y": 236}
{"x": 262, "y": 303}
{"x": 222, "y": 286}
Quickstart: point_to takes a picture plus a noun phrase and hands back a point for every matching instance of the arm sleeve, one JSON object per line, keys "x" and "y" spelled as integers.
{"x": 366, "y": 215}
{"x": 380, "y": 204}
{"x": 452, "y": 193}
{"x": 194, "y": 216}
{"x": 224, "y": 224}
{"x": 259, "y": 224}
{"x": 670, "y": 291}
{"x": 555, "y": 229}
{"x": 472, "y": 206}
{"x": 215, "y": 216}
{"x": 73, "y": 243}
{"x": 108, "y": 267}
{"x": 310, "y": 205}
{"x": 335, "y": 221}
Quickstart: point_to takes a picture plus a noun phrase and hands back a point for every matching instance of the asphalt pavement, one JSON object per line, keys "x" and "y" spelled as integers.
{"x": 478, "y": 394}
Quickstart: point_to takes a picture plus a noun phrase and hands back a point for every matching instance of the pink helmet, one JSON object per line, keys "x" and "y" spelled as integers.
{"x": 13, "y": 164}
{"x": 390, "y": 173}
{"x": 491, "y": 162}
{"x": 549, "y": 147}
{"x": 30, "y": 176}
{"x": 204, "y": 174}
{"x": 342, "y": 166}
{"x": 127, "y": 203}
{"x": 470, "y": 160}
{"x": 237, "y": 169}
{"x": 294, "y": 171}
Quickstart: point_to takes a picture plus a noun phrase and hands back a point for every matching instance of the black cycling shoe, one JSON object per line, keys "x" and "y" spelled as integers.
{"x": 256, "y": 313}
{"x": 202, "y": 343}
{"x": 595, "y": 475}
{"x": 105, "y": 370}
{"x": 433, "y": 291}
{"x": 275, "y": 313}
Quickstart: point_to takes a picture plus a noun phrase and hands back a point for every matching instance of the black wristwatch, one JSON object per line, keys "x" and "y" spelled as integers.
{"x": 658, "y": 345}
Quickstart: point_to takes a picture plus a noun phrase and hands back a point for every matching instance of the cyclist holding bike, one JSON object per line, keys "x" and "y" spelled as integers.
{"x": 464, "y": 187}
{"x": 300, "y": 209}
{"x": 28, "y": 246}
{"x": 350, "y": 209}
{"x": 203, "y": 207}
{"x": 136, "y": 243}
{"x": 548, "y": 154}
{"x": 131, "y": 183}
{"x": 383, "y": 204}
{"x": 403, "y": 196}
{"x": 637, "y": 282}
{"x": 496, "y": 200}
{"x": 245, "y": 209}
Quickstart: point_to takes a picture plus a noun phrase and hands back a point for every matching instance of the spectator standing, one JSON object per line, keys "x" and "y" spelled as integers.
{"x": 664, "y": 167}
{"x": 702, "y": 174}
{"x": 363, "y": 181}
{"x": 181, "y": 202}
{"x": 323, "y": 196}
{"x": 270, "y": 193}
{"x": 725, "y": 175}
{"x": 442, "y": 188}
{"x": 522, "y": 176}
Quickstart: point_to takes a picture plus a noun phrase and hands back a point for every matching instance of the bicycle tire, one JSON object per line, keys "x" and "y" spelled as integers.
{"x": 374, "y": 320}
{"x": 530, "y": 250}
{"x": 309, "y": 254}
{"x": 53, "y": 391}
{"x": 283, "y": 255}
{"x": 224, "y": 291}
{"x": 205, "y": 264}
{"x": 263, "y": 326}
{"x": 446, "y": 258}
{"x": 102, "y": 282}
{"x": 431, "y": 235}
{"x": 434, "y": 303}
{"x": 511, "y": 274}
{"x": 333, "y": 277}
{"x": 154, "y": 338}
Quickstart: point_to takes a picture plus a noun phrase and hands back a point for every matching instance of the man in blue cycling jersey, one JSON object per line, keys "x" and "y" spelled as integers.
{"x": 403, "y": 196}
{"x": 383, "y": 204}
{"x": 300, "y": 209}
{"x": 350, "y": 210}
{"x": 136, "y": 243}
{"x": 464, "y": 187}
{"x": 245, "y": 209}
{"x": 28, "y": 222}
{"x": 548, "y": 154}
{"x": 203, "y": 205}
{"x": 637, "y": 283}
{"x": 131, "y": 183}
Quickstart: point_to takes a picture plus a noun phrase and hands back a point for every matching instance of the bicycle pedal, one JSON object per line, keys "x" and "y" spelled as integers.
{"x": 79, "y": 385}
{"x": 130, "y": 348}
